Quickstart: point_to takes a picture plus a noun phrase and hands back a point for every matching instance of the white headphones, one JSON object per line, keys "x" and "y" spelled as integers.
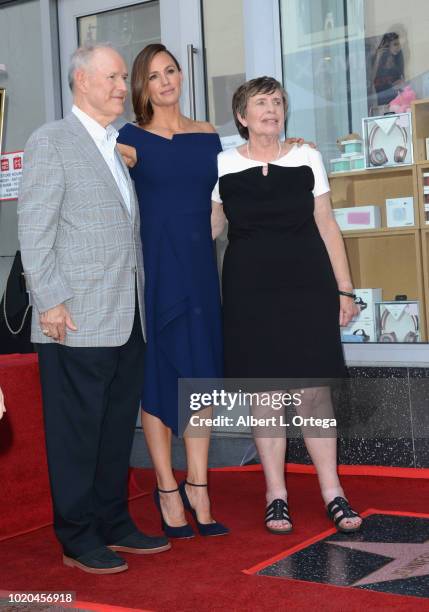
{"x": 378, "y": 157}
{"x": 390, "y": 336}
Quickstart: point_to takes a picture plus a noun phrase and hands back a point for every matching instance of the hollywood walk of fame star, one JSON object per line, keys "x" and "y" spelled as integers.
{"x": 408, "y": 560}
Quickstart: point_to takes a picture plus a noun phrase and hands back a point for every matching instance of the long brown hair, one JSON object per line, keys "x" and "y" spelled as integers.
{"x": 142, "y": 105}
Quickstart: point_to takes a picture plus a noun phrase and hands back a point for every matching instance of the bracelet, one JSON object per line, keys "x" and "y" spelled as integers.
{"x": 348, "y": 294}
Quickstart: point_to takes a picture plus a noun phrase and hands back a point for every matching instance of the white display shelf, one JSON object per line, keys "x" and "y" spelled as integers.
{"x": 400, "y": 355}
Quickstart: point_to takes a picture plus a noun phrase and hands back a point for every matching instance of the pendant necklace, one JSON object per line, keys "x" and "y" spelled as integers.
{"x": 265, "y": 164}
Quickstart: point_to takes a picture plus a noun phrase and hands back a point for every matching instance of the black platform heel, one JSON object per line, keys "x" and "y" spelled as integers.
{"x": 204, "y": 529}
{"x": 184, "y": 531}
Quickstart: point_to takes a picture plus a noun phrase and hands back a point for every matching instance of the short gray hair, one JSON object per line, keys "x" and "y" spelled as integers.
{"x": 82, "y": 57}
{"x": 261, "y": 85}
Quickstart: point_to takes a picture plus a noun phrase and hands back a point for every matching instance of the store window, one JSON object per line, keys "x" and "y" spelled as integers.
{"x": 225, "y": 63}
{"x": 129, "y": 30}
{"x": 23, "y": 79}
{"x": 352, "y": 69}
{"x": 347, "y": 59}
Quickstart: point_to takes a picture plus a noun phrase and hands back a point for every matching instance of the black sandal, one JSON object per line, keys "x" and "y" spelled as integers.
{"x": 339, "y": 509}
{"x": 278, "y": 511}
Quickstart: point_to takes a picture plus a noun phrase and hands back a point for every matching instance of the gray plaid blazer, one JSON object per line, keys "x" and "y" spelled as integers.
{"x": 79, "y": 244}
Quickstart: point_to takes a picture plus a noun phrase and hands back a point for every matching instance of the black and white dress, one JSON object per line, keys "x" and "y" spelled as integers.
{"x": 280, "y": 296}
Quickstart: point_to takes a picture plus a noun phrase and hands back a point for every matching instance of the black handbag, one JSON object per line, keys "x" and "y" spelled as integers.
{"x": 15, "y": 313}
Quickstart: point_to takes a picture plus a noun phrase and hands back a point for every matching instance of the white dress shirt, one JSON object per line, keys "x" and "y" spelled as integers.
{"x": 105, "y": 139}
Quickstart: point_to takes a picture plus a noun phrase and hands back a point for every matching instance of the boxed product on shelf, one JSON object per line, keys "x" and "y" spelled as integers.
{"x": 388, "y": 140}
{"x": 426, "y": 196}
{"x": 399, "y": 212}
{"x": 357, "y": 161}
{"x": 397, "y": 321}
{"x": 352, "y": 146}
{"x": 358, "y": 217}
{"x": 366, "y": 298}
{"x": 350, "y": 159}
{"x": 340, "y": 164}
{"x": 359, "y": 331}
{"x": 426, "y": 202}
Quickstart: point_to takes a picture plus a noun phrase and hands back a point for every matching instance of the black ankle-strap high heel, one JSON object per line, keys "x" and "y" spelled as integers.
{"x": 184, "y": 531}
{"x": 204, "y": 529}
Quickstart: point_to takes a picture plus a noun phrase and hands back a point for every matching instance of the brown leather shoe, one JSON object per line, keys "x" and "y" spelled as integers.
{"x": 139, "y": 543}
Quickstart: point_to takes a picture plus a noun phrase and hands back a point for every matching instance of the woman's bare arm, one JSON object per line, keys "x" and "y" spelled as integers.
{"x": 129, "y": 154}
{"x": 331, "y": 236}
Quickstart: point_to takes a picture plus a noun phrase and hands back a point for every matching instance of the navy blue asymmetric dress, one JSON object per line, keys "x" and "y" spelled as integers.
{"x": 174, "y": 180}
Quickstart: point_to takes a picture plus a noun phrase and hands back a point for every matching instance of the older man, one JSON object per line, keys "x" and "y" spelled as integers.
{"x": 82, "y": 257}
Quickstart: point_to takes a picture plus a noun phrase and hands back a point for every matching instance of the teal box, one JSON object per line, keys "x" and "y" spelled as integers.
{"x": 340, "y": 164}
{"x": 352, "y": 146}
{"x": 357, "y": 162}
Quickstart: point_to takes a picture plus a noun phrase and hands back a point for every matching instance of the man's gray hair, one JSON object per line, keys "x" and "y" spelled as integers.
{"x": 82, "y": 57}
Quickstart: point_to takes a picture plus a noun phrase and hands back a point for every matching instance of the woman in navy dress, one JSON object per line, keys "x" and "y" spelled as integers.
{"x": 173, "y": 164}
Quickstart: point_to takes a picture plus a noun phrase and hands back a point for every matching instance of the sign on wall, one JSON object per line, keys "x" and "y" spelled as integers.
{"x": 10, "y": 175}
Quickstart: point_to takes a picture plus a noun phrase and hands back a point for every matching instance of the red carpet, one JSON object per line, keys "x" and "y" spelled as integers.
{"x": 208, "y": 574}
{"x": 25, "y": 501}
{"x": 25, "y": 498}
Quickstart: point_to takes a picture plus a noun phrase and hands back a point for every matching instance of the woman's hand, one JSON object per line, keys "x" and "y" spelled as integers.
{"x": 348, "y": 310}
{"x": 300, "y": 142}
{"x": 129, "y": 154}
{"x": 2, "y": 406}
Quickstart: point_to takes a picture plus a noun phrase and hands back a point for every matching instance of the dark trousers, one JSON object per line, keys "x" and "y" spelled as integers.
{"x": 91, "y": 399}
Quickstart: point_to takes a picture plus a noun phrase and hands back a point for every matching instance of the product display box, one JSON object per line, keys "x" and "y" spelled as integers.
{"x": 350, "y": 147}
{"x": 358, "y": 217}
{"x": 351, "y": 158}
{"x": 400, "y": 212}
{"x": 426, "y": 195}
{"x": 363, "y": 328}
{"x": 388, "y": 140}
{"x": 397, "y": 321}
{"x": 348, "y": 162}
{"x": 359, "y": 331}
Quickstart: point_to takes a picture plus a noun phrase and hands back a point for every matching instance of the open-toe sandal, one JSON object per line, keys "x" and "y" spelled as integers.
{"x": 339, "y": 509}
{"x": 278, "y": 511}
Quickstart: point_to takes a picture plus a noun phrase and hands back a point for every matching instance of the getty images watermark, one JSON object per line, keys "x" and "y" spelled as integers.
{"x": 268, "y": 403}
{"x": 268, "y": 407}
{"x": 354, "y": 408}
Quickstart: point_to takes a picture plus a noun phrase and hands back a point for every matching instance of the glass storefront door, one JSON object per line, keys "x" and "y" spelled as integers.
{"x": 129, "y": 26}
{"x": 219, "y": 44}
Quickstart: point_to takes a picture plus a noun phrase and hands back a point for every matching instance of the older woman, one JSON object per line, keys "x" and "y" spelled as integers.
{"x": 286, "y": 283}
